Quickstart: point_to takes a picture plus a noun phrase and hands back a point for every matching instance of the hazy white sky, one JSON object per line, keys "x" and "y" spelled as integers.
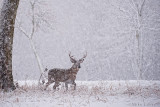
{"x": 106, "y": 29}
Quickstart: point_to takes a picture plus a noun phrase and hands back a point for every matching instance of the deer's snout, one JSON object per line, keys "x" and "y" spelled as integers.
{"x": 79, "y": 66}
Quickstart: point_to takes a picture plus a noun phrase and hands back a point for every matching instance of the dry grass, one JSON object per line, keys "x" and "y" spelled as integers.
{"x": 84, "y": 94}
{"x": 100, "y": 88}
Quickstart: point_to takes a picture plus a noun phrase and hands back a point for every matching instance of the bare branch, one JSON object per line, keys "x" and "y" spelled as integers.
{"x": 132, "y": 6}
{"x": 153, "y": 29}
{"x": 48, "y": 24}
{"x": 122, "y": 10}
{"x": 33, "y": 18}
{"x": 140, "y": 12}
{"x": 21, "y": 29}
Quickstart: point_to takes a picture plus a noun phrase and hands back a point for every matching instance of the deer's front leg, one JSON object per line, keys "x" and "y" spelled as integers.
{"x": 66, "y": 85}
{"x": 56, "y": 85}
{"x": 74, "y": 85}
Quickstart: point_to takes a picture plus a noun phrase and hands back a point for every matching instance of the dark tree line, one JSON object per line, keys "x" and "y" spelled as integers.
{"x": 7, "y": 22}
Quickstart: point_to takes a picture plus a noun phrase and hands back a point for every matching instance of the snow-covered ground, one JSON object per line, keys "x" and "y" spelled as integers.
{"x": 87, "y": 94}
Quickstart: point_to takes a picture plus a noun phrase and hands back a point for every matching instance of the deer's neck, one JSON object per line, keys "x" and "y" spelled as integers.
{"x": 74, "y": 69}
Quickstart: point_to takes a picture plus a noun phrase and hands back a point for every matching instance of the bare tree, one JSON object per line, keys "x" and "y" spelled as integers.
{"x": 7, "y": 21}
{"x": 36, "y": 18}
{"x": 137, "y": 8}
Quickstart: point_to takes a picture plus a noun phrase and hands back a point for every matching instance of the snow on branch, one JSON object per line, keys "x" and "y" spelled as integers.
{"x": 21, "y": 29}
{"x": 122, "y": 10}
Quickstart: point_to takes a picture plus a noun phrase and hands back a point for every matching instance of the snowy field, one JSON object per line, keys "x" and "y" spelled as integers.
{"x": 88, "y": 94}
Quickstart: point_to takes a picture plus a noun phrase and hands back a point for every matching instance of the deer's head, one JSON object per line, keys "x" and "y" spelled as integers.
{"x": 76, "y": 63}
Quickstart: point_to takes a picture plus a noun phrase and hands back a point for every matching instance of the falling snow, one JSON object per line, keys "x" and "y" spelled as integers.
{"x": 122, "y": 41}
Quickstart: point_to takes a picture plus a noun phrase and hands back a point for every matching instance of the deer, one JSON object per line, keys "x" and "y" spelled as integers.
{"x": 67, "y": 76}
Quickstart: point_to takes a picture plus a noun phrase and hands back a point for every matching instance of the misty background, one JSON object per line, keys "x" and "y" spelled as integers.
{"x": 106, "y": 29}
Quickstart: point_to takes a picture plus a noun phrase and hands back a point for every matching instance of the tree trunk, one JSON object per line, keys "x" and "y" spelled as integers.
{"x": 7, "y": 21}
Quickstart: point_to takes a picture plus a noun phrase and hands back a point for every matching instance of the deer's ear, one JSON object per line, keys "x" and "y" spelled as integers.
{"x": 81, "y": 60}
{"x": 73, "y": 60}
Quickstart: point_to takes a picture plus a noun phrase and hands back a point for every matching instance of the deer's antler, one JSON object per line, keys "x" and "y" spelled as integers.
{"x": 71, "y": 58}
{"x": 84, "y": 56}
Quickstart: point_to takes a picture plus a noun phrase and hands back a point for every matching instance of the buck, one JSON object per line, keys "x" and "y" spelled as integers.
{"x": 67, "y": 76}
